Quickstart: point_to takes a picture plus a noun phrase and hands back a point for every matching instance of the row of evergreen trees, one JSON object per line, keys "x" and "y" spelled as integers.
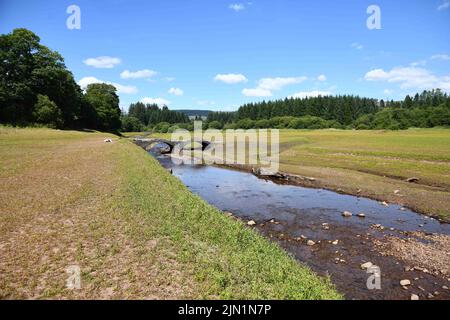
{"x": 150, "y": 114}
{"x": 37, "y": 88}
{"x": 428, "y": 109}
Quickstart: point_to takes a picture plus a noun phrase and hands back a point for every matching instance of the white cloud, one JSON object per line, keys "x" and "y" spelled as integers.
{"x": 257, "y": 92}
{"x": 84, "y": 82}
{"x": 444, "y": 5}
{"x": 159, "y": 101}
{"x": 442, "y": 56}
{"x": 266, "y": 86}
{"x": 357, "y": 45}
{"x": 322, "y": 78}
{"x": 409, "y": 77}
{"x": 169, "y": 79}
{"x": 104, "y": 62}
{"x": 310, "y": 94}
{"x": 146, "y": 73}
{"x": 388, "y": 92}
{"x": 237, "y": 7}
{"x": 176, "y": 91}
{"x": 231, "y": 78}
{"x": 418, "y": 63}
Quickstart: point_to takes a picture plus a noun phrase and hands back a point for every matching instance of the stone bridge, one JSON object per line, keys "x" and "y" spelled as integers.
{"x": 147, "y": 143}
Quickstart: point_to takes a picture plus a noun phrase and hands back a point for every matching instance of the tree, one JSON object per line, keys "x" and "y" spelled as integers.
{"x": 47, "y": 112}
{"x": 215, "y": 125}
{"x": 105, "y": 102}
{"x": 27, "y": 69}
{"x": 131, "y": 124}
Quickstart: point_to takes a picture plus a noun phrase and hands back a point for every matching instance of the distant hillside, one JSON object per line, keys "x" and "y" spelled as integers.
{"x": 194, "y": 113}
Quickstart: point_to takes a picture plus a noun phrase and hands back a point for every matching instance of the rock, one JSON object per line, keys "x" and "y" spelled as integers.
{"x": 335, "y": 242}
{"x": 303, "y": 237}
{"x": 347, "y": 214}
{"x": 251, "y": 223}
{"x": 366, "y": 265}
{"x": 430, "y": 296}
{"x": 361, "y": 215}
{"x": 414, "y": 297}
{"x": 445, "y": 287}
{"x": 359, "y": 191}
{"x": 107, "y": 140}
{"x": 403, "y": 209}
{"x": 396, "y": 191}
{"x": 405, "y": 283}
{"x": 412, "y": 180}
{"x": 384, "y": 203}
{"x": 310, "y": 243}
{"x": 272, "y": 221}
{"x": 228, "y": 214}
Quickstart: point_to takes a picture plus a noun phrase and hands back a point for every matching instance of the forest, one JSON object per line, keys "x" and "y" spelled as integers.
{"x": 427, "y": 109}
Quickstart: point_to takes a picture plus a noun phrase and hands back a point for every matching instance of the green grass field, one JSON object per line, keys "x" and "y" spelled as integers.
{"x": 375, "y": 163}
{"x": 68, "y": 198}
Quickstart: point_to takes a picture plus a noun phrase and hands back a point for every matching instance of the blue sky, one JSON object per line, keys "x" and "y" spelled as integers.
{"x": 216, "y": 54}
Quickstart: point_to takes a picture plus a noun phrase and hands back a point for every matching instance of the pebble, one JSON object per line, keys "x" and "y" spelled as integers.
{"x": 384, "y": 203}
{"x": 405, "y": 282}
{"x": 347, "y": 214}
{"x": 335, "y": 242}
{"x": 361, "y": 215}
{"x": 251, "y": 223}
{"x": 414, "y": 297}
{"x": 430, "y": 296}
{"x": 366, "y": 265}
{"x": 310, "y": 243}
{"x": 396, "y": 191}
{"x": 445, "y": 287}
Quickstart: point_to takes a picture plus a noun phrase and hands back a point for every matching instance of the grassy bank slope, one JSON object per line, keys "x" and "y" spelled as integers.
{"x": 68, "y": 198}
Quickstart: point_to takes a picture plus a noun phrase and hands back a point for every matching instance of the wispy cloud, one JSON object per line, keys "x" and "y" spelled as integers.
{"x": 442, "y": 56}
{"x": 146, "y": 73}
{"x": 103, "y": 62}
{"x": 357, "y": 45}
{"x": 176, "y": 91}
{"x": 266, "y": 86}
{"x": 322, "y": 78}
{"x": 84, "y": 82}
{"x": 410, "y": 77}
{"x": 231, "y": 78}
{"x": 237, "y": 6}
{"x": 444, "y": 5}
{"x": 159, "y": 101}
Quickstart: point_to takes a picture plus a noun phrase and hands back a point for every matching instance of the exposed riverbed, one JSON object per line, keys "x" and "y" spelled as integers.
{"x": 292, "y": 215}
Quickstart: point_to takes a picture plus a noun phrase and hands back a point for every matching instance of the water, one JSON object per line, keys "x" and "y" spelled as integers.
{"x": 299, "y": 211}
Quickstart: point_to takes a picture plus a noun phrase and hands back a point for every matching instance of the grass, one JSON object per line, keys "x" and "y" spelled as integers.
{"x": 374, "y": 164}
{"x": 377, "y": 163}
{"x": 136, "y": 231}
